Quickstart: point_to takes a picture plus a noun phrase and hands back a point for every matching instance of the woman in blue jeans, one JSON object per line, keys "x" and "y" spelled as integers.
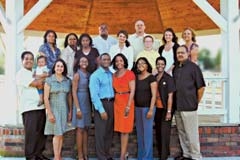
{"x": 145, "y": 98}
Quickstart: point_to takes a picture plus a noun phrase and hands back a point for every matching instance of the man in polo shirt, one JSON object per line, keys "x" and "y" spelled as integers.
{"x": 102, "y": 96}
{"x": 189, "y": 91}
{"x": 34, "y": 116}
{"x": 103, "y": 42}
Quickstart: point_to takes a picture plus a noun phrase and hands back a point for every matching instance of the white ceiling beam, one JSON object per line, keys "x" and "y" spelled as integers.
{"x": 3, "y": 18}
{"x": 211, "y": 12}
{"x": 32, "y": 14}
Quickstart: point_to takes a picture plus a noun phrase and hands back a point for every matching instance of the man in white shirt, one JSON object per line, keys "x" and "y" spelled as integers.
{"x": 34, "y": 116}
{"x": 103, "y": 41}
{"x": 136, "y": 39}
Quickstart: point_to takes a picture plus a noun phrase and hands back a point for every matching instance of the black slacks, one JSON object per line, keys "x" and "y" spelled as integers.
{"x": 104, "y": 131}
{"x": 163, "y": 132}
{"x": 34, "y": 123}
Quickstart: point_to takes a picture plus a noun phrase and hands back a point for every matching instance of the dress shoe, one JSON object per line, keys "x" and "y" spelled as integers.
{"x": 182, "y": 158}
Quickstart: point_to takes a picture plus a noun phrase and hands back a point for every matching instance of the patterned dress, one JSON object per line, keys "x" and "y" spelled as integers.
{"x": 84, "y": 102}
{"x": 121, "y": 85}
{"x": 59, "y": 105}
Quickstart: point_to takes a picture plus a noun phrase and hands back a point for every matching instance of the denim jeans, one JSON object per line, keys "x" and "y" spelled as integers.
{"x": 144, "y": 129}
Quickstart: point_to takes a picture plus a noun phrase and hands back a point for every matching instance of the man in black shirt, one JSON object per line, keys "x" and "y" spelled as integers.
{"x": 189, "y": 91}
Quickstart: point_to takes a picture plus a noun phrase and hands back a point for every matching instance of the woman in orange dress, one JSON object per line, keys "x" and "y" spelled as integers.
{"x": 124, "y": 86}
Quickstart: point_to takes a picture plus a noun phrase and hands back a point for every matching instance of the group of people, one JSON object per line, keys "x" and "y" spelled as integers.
{"x": 119, "y": 82}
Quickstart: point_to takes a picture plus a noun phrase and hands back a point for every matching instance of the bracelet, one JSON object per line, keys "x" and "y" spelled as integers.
{"x": 78, "y": 110}
{"x": 169, "y": 111}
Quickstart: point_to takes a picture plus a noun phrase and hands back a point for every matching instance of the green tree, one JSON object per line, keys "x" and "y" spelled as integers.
{"x": 205, "y": 59}
{"x": 2, "y": 70}
{"x": 217, "y": 60}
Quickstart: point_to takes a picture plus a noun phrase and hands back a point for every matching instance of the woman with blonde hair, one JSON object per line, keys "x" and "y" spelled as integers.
{"x": 189, "y": 37}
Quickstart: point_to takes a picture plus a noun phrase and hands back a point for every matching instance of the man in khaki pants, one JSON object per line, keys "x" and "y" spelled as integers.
{"x": 189, "y": 91}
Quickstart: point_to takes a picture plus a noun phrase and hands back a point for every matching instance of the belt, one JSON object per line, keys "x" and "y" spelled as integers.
{"x": 127, "y": 92}
{"x": 107, "y": 99}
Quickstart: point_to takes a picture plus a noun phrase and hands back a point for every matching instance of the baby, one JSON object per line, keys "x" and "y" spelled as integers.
{"x": 41, "y": 72}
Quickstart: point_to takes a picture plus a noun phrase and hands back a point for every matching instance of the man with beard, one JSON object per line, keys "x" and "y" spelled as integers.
{"x": 103, "y": 42}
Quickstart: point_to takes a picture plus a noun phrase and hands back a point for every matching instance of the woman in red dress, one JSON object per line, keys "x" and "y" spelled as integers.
{"x": 124, "y": 86}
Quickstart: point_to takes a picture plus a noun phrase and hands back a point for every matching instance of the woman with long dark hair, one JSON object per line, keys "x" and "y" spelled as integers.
{"x": 123, "y": 47}
{"x": 86, "y": 49}
{"x": 69, "y": 51}
{"x": 49, "y": 48}
{"x": 169, "y": 49}
{"x": 58, "y": 103}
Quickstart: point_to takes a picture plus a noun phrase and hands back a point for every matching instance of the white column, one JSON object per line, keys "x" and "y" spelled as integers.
{"x": 14, "y": 47}
{"x": 228, "y": 22}
{"x": 231, "y": 57}
{"x": 16, "y": 23}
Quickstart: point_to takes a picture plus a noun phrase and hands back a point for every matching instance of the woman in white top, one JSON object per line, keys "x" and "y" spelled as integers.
{"x": 169, "y": 48}
{"x": 68, "y": 53}
{"x": 123, "y": 47}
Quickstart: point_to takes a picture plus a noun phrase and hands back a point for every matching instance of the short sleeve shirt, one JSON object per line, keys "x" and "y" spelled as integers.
{"x": 143, "y": 94}
{"x": 28, "y": 96}
{"x": 188, "y": 79}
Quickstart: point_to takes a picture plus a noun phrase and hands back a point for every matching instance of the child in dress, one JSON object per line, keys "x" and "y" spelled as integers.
{"x": 41, "y": 72}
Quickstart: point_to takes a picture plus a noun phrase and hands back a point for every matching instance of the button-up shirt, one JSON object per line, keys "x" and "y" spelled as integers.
{"x": 102, "y": 45}
{"x": 127, "y": 51}
{"x": 68, "y": 56}
{"x": 188, "y": 78}
{"x": 50, "y": 55}
{"x": 100, "y": 87}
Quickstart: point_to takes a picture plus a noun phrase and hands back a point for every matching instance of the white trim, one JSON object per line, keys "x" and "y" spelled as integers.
{"x": 219, "y": 20}
{"x": 3, "y": 18}
{"x": 233, "y": 51}
{"x": 32, "y": 14}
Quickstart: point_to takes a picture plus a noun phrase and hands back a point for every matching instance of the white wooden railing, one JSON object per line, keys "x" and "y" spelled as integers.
{"x": 214, "y": 98}
{"x": 212, "y": 103}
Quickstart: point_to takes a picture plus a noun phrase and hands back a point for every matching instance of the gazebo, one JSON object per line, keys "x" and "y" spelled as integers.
{"x": 64, "y": 16}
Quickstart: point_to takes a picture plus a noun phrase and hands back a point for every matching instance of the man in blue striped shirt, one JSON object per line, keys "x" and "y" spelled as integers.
{"x": 102, "y": 96}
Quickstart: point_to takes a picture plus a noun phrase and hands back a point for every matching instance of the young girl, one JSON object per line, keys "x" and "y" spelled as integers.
{"x": 82, "y": 108}
{"x": 41, "y": 72}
